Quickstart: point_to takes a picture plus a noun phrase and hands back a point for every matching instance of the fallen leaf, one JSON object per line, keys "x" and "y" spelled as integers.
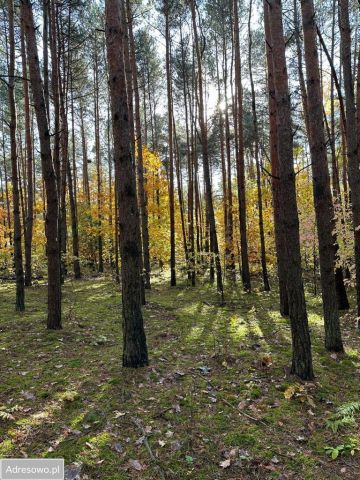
{"x": 136, "y": 465}
{"x": 140, "y": 440}
{"x": 73, "y": 471}
{"x": 226, "y": 463}
{"x": 117, "y": 447}
{"x": 28, "y": 395}
{"x": 289, "y": 392}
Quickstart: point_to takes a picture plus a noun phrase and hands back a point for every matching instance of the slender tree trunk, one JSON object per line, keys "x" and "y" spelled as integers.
{"x": 223, "y": 176}
{"x": 46, "y": 5}
{"x": 135, "y": 349}
{"x": 98, "y": 161}
{"x": 245, "y": 269}
{"x": 181, "y": 198}
{"x": 52, "y": 208}
{"x": 324, "y": 210}
{"x": 257, "y": 163}
{"x": 140, "y": 160}
{"x": 73, "y": 141}
{"x": 74, "y": 225}
{"x": 29, "y": 164}
{"x": 85, "y": 172}
{"x": 55, "y": 91}
{"x": 275, "y": 180}
{"x": 301, "y": 354}
{"x": 189, "y": 154}
{"x": 342, "y": 298}
{"x": 71, "y": 177}
{"x": 64, "y": 154}
{"x": 205, "y": 158}
{"x": 170, "y": 145}
{"x": 351, "y": 138}
{"x": 229, "y": 224}
{"x": 18, "y": 259}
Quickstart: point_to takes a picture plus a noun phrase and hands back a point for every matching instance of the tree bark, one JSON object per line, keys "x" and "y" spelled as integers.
{"x": 245, "y": 269}
{"x": 301, "y": 352}
{"x": 52, "y": 208}
{"x": 257, "y": 164}
{"x": 135, "y": 349}
{"x": 18, "y": 258}
{"x": 190, "y": 167}
{"x": 351, "y": 138}
{"x": 170, "y": 145}
{"x": 275, "y": 180}
{"x": 205, "y": 158}
{"x": 140, "y": 160}
{"x": 324, "y": 209}
{"x": 86, "y": 187}
{"x": 29, "y": 165}
{"x": 98, "y": 161}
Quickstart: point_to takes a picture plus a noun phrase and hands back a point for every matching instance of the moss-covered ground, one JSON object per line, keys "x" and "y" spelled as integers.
{"x": 211, "y": 405}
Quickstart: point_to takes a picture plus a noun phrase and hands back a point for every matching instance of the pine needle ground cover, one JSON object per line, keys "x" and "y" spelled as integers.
{"x": 216, "y": 402}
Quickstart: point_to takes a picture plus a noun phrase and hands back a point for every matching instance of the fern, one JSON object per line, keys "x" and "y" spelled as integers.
{"x": 348, "y": 409}
{"x": 5, "y": 415}
{"x": 6, "y": 412}
{"x": 344, "y": 416}
{"x": 336, "y": 424}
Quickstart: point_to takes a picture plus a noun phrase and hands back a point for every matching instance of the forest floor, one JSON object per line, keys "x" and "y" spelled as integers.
{"x": 217, "y": 401}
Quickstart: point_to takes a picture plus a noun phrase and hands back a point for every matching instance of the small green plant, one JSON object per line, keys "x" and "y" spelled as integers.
{"x": 6, "y": 413}
{"x": 69, "y": 396}
{"x": 345, "y": 448}
{"x": 344, "y": 416}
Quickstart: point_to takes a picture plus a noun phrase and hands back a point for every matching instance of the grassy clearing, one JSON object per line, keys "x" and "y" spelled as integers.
{"x": 214, "y": 393}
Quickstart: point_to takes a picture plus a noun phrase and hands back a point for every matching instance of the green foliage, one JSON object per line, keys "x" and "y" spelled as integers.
{"x": 6, "y": 413}
{"x": 344, "y": 416}
{"x": 342, "y": 449}
{"x": 240, "y": 440}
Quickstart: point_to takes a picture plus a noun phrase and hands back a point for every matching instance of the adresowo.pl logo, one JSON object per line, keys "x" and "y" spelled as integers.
{"x": 32, "y": 469}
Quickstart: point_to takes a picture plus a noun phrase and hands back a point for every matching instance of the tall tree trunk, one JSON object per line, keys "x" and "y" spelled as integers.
{"x": 18, "y": 259}
{"x": 74, "y": 225}
{"x": 64, "y": 154}
{"x": 181, "y": 197}
{"x": 351, "y": 139}
{"x": 29, "y": 165}
{"x": 140, "y": 160}
{"x": 342, "y": 298}
{"x": 257, "y": 163}
{"x": 189, "y": 155}
{"x": 245, "y": 269}
{"x": 46, "y": 9}
{"x": 135, "y": 349}
{"x": 85, "y": 172}
{"x": 98, "y": 160}
{"x": 73, "y": 141}
{"x": 170, "y": 145}
{"x": 55, "y": 91}
{"x": 229, "y": 224}
{"x": 205, "y": 158}
{"x": 324, "y": 209}
{"x": 52, "y": 207}
{"x": 71, "y": 178}
{"x": 301, "y": 353}
{"x": 274, "y": 159}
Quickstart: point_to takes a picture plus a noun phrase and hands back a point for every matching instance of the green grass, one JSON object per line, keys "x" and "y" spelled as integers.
{"x": 208, "y": 393}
